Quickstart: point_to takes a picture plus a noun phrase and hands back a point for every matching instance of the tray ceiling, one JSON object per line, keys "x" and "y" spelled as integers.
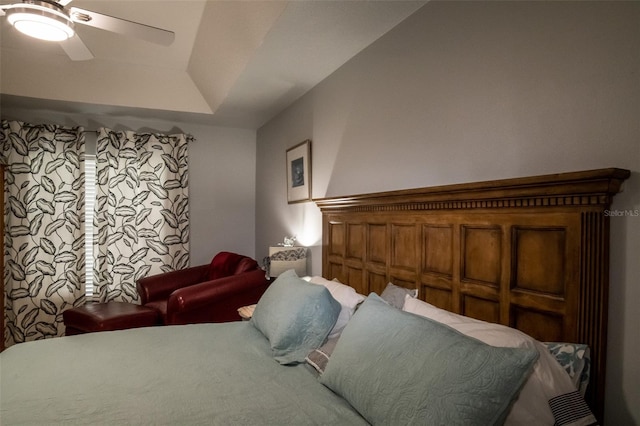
{"x": 235, "y": 63}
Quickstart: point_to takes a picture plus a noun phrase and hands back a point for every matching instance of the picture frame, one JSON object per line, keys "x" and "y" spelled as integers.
{"x": 299, "y": 173}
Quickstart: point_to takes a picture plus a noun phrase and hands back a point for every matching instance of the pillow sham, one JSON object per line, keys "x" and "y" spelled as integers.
{"x": 398, "y": 368}
{"x": 547, "y": 382}
{"x": 395, "y": 295}
{"x": 295, "y": 317}
{"x": 346, "y": 296}
{"x": 575, "y": 358}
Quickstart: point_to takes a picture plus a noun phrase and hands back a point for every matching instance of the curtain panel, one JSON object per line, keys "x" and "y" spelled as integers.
{"x": 141, "y": 222}
{"x": 44, "y": 227}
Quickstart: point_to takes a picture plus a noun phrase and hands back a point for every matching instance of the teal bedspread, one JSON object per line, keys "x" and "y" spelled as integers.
{"x": 213, "y": 374}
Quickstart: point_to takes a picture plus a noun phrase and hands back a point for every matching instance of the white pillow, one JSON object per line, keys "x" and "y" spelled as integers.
{"x": 547, "y": 381}
{"x": 489, "y": 333}
{"x": 345, "y": 295}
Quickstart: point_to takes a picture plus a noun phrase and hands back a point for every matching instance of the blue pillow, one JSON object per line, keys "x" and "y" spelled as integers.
{"x": 295, "y": 316}
{"x": 398, "y": 368}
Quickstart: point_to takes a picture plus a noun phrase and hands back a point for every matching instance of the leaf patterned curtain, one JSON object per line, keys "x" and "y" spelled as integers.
{"x": 44, "y": 227}
{"x": 141, "y": 223}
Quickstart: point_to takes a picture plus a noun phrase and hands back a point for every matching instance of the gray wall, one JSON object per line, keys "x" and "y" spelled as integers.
{"x": 476, "y": 91}
{"x": 222, "y": 162}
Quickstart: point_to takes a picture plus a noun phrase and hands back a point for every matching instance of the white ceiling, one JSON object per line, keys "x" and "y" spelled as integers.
{"x": 234, "y": 63}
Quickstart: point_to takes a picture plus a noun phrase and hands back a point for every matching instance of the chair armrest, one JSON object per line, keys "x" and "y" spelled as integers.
{"x": 160, "y": 286}
{"x": 216, "y": 300}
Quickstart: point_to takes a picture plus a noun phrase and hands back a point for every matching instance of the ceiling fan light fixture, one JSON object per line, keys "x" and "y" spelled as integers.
{"x": 40, "y": 20}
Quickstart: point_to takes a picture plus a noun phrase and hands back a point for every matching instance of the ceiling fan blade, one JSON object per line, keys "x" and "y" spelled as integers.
{"x": 76, "y": 49}
{"x": 122, "y": 26}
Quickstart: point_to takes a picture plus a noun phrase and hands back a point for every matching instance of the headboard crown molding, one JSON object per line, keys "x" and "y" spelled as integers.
{"x": 592, "y": 187}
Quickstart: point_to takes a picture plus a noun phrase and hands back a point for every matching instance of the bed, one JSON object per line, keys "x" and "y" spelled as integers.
{"x": 423, "y": 295}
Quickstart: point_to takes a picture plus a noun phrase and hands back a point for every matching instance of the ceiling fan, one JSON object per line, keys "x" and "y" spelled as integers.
{"x": 53, "y": 21}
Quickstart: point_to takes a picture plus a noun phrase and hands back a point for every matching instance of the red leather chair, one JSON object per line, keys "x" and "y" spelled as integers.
{"x": 205, "y": 293}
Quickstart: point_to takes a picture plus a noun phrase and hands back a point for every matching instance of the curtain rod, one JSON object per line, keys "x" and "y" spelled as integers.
{"x": 153, "y": 133}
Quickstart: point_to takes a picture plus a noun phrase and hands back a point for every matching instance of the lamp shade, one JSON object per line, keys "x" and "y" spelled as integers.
{"x": 285, "y": 258}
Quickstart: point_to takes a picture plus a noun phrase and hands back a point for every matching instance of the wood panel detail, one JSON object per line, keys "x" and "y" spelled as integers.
{"x": 355, "y": 241}
{"x": 403, "y": 246}
{"x": 540, "y": 325}
{"x": 481, "y": 254}
{"x": 530, "y": 253}
{"x": 377, "y": 282}
{"x": 336, "y": 236}
{"x": 403, "y": 281}
{"x": 482, "y": 309}
{"x": 594, "y": 295}
{"x": 355, "y": 278}
{"x": 377, "y": 243}
{"x": 334, "y": 270}
{"x": 539, "y": 260}
{"x": 437, "y": 297}
{"x": 437, "y": 252}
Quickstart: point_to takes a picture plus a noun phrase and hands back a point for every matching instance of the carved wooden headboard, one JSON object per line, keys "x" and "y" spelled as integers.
{"x": 531, "y": 253}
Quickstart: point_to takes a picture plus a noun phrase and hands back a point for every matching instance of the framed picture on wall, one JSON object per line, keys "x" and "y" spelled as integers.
{"x": 299, "y": 173}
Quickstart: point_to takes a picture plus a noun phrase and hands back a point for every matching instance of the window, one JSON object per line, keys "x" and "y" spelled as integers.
{"x": 90, "y": 197}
